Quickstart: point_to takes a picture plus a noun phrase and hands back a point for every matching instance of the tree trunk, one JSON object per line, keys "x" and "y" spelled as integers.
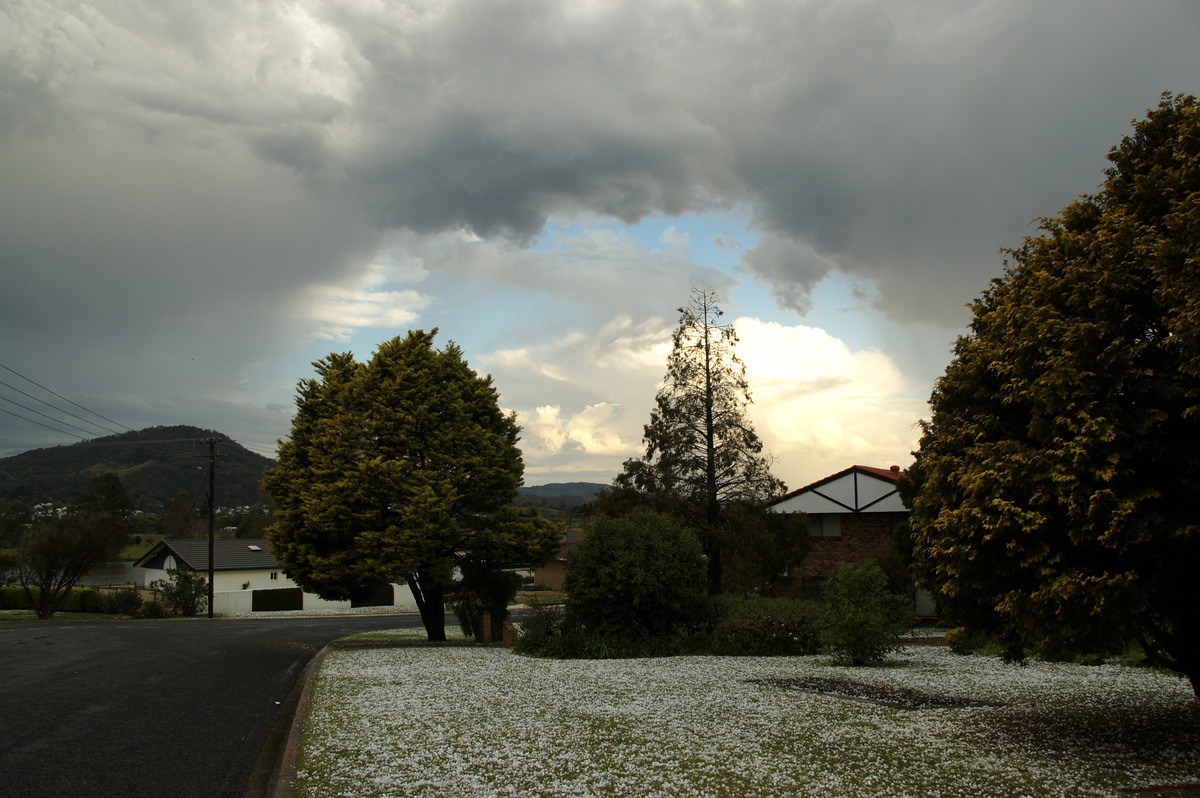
{"x": 714, "y": 567}
{"x": 431, "y": 604}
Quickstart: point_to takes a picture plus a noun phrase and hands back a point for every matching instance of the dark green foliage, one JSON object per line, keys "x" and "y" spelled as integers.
{"x": 183, "y": 592}
{"x": 640, "y": 575}
{"x": 396, "y": 470}
{"x": 13, "y": 597}
{"x": 14, "y": 517}
{"x": 126, "y": 601}
{"x": 483, "y": 588}
{"x": 1053, "y": 494}
{"x": 860, "y": 619}
{"x": 702, "y": 452}
{"x": 153, "y": 465}
{"x": 179, "y": 519}
{"x": 760, "y": 626}
{"x": 759, "y": 548}
{"x": 105, "y": 495}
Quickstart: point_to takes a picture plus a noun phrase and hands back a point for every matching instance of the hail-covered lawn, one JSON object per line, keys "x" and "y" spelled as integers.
{"x": 464, "y": 721}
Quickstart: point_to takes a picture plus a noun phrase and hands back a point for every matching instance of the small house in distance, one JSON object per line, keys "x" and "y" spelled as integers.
{"x": 552, "y": 574}
{"x": 852, "y": 516}
{"x": 246, "y": 576}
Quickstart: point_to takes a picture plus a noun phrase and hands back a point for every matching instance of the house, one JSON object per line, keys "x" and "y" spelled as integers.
{"x": 852, "y": 516}
{"x": 552, "y": 574}
{"x": 246, "y": 576}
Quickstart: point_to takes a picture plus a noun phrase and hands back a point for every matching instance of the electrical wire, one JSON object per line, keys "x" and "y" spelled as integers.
{"x": 65, "y": 399}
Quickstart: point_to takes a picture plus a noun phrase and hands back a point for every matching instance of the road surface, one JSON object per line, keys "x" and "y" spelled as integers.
{"x": 123, "y": 709}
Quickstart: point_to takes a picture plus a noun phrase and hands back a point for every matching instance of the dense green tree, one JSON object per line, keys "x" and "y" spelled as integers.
{"x": 702, "y": 452}
{"x": 105, "y": 495}
{"x": 759, "y": 548}
{"x": 14, "y": 517}
{"x": 1053, "y": 494}
{"x": 180, "y": 516}
{"x": 55, "y": 553}
{"x": 640, "y": 574}
{"x": 396, "y": 470}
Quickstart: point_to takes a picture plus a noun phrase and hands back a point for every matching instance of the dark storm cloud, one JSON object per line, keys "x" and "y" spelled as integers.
{"x": 176, "y": 176}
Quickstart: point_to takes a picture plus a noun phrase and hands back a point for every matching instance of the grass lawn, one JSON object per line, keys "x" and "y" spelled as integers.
{"x": 473, "y": 721}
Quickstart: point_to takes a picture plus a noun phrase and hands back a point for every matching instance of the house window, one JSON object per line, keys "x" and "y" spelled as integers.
{"x": 274, "y": 575}
{"x": 825, "y": 525}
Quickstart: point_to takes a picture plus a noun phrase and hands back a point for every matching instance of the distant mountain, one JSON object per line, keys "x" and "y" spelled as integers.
{"x": 563, "y": 496}
{"x": 153, "y": 464}
{"x": 556, "y": 490}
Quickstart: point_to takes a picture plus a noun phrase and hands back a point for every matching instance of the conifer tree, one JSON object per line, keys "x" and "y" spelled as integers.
{"x": 395, "y": 471}
{"x": 702, "y": 453}
{"x": 1053, "y": 495}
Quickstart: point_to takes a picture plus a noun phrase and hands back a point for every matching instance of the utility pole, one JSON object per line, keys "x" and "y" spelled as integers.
{"x": 212, "y": 503}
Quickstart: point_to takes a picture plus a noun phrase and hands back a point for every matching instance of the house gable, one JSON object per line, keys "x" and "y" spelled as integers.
{"x": 858, "y": 489}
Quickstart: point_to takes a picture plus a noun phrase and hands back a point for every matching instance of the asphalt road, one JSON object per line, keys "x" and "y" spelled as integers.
{"x": 174, "y": 708}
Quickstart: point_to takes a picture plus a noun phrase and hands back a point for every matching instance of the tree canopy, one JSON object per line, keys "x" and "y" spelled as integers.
{"x": 1053, "y": 495}
{"x": 702, "y": 453}
{"x": 396, "y": 470}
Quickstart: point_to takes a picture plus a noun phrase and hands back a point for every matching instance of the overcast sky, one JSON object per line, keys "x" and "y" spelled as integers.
{"x": 197, "y": 200}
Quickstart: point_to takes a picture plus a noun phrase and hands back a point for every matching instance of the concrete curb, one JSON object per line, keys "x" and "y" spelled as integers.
{"x": 285, "y": 771}
{"x": 275, "y": 771}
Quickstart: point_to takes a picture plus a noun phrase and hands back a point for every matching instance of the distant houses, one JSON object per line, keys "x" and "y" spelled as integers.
{"x": 246, "y": 576}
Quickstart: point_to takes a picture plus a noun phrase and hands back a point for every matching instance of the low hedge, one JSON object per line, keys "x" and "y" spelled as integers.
{"x": 764, "y": 627}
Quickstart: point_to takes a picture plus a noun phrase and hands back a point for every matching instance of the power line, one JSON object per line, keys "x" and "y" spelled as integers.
{"x": 40, "y": 424}
{"x": 59, "y": 409}
{"x": 43, "y": 415}
{"x": 65, "y": 399}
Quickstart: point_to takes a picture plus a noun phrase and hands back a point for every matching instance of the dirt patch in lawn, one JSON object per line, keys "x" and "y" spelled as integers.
{"x": 898, "y": 697}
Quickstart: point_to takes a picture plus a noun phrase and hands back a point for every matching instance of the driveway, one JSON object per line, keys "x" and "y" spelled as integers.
{"x": 153, "y": 708}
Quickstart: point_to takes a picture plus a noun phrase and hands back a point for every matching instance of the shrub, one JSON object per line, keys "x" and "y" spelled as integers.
{"x": 152, "y": 609}
{"x": 12, "y": 597}
{"x": 126, "y": 601}
{"x": 183, "y": 592}
{"x": 636, "y": 576}
{"x": 759, "y": 626}
{"x": 82, "y": 599}
{"x": 860, "y": 619}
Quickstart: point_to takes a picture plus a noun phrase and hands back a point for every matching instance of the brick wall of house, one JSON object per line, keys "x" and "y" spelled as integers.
{"x": 863, "y": 535}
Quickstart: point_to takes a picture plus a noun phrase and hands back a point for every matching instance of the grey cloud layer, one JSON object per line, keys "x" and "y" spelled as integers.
{"x": 174, "y": 174}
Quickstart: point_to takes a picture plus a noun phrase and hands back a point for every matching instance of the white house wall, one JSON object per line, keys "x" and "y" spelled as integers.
{"x": 233, "y": 590}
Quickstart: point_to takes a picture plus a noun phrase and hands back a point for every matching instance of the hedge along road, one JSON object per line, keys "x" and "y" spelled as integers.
{"x": 193, "y": 707}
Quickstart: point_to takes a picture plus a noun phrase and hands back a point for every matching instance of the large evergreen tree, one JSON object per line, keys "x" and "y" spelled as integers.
{"x": 396, "y": 470}
{"x": 1054, "y": 494}
{"x": 702, "y": 453}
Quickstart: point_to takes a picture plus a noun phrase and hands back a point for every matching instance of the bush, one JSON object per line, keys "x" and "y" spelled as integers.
{"x": 12, "y": 597}
{"x": 126, "y": 601}
{"x": 961, "y": 641}
{"x": 552, "y": 632}
{"x": 82, "y": 599}
{"x": 759, "y": 626}
{"x": 860, "y": 619}
{"x": 637, "y": 576}
{"x": 152, "y": 609}
{"x": 183, "y": 592}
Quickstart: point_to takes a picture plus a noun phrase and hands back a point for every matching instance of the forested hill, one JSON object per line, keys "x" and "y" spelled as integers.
{"x": 153, "y": 464}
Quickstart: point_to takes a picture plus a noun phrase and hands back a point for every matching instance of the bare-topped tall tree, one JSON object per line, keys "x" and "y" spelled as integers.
{"x": 702, "y": 453}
